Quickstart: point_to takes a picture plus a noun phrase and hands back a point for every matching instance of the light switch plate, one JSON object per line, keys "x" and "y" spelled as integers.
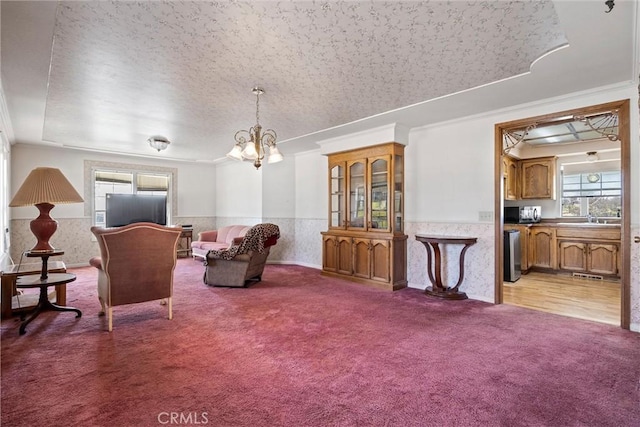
{"x": 485, "y": 216}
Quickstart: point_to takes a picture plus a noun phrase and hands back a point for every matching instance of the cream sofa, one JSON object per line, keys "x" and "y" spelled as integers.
{"x": 218, "y": 239}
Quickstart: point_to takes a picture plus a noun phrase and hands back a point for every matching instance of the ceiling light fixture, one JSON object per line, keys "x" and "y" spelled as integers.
{"x": 158, "y": 142}
{"x": 252, "y": 144}
{"x": 592, "y": 156}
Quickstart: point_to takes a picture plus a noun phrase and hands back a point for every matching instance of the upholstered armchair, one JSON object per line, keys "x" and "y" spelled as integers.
{"x": 136, "y": 264}
{"x": 244, "y": 263}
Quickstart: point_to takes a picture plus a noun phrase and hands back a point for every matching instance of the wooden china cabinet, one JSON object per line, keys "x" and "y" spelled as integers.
{"x": 366, "y": 241}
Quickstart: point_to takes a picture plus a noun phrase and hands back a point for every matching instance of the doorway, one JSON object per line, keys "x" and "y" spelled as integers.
{"x": 504, "y": 135}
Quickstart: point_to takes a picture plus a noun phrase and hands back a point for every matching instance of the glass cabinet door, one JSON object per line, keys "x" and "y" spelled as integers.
{"x": 337, "y": 201}
{"x": 398, "y": 189}
{"x": 379, "y": 200}
{"x": 357, "y": 195}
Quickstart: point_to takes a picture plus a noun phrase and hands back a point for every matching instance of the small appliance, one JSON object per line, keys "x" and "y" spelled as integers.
{"x": 530, "y": 214}
{"x": 511, "y": 214}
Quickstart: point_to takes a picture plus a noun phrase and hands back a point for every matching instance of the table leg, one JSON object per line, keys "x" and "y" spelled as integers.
{"x": 455, "y": 288}
{"x": 44, "y": 274}
{"x": 43, "y": 305}
{"x": 438, "y": 289}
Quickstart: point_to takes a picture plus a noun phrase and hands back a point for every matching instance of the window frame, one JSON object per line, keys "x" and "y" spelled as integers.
{"x": 595, "y": 187}
{"x": 91, "y": 167}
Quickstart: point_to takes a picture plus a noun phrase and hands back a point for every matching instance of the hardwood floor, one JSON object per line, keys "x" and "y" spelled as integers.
{"x": 590, "y": 299}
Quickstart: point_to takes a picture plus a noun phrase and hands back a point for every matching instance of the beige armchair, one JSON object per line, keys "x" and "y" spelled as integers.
{"x": 243, "y": 263}
{"x": 136, "y": 264}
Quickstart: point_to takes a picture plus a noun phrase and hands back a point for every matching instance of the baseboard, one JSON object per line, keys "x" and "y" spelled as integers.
{"x": 302, "y": 264}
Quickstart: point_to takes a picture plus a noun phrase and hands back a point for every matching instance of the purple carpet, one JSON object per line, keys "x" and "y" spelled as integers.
{"x": 300, "y": 349}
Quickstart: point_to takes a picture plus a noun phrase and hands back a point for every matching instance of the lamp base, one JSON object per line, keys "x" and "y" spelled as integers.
{"x": 43, "y": 227}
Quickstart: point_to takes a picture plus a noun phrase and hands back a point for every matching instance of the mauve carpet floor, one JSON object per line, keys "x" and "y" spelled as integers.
{"x": 299, "y": 349}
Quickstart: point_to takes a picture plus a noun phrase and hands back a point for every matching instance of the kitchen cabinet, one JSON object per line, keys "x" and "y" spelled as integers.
{"x": 593, "y": 250}
{"x": 602, "y": 259}
{"x": 366, "y": 208}
{"x": 542, "y": 248}
{"x": 538, "y": 178}
{"x": 573, "y": 256}
{"x": 511, "y": 187}
{"x": 524, "y": 244}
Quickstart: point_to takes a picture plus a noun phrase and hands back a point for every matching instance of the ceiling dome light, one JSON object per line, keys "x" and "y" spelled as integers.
{"x": 592, "y": 156}
{"x": 158, "y": 142}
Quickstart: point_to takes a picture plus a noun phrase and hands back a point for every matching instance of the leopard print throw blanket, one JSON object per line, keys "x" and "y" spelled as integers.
{"x": 253, "y": 241}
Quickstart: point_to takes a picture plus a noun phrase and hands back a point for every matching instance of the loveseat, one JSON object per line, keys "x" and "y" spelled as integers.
{"x": 217, "y": 240}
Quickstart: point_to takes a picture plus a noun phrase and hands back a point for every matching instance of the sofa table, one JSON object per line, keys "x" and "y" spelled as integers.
{"x": 432, "y": 243}
{"x": 53, "y": 279}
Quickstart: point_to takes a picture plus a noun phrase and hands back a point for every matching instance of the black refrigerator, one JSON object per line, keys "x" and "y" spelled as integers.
{"x": 512, "y": 264}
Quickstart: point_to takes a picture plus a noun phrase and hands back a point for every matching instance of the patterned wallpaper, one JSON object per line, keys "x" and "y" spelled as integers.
{"x": 301, "y": 243}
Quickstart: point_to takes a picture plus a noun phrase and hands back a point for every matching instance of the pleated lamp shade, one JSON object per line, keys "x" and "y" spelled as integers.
{"x": 43, "y": 188}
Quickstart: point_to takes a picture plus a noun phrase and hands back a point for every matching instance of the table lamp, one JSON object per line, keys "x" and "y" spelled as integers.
{"x": 42, "y": 188}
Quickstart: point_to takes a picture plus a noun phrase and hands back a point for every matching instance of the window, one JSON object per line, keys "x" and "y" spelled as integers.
{"x": 126, "y": 182}
{"x": 594, "y": 193}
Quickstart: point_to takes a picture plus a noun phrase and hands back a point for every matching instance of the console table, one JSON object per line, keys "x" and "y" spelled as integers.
{"x": 44, "y": 304}
{"x": 431, "y": 243}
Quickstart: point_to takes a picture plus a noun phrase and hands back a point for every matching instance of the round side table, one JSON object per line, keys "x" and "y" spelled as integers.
{"x": 44, "y": 304}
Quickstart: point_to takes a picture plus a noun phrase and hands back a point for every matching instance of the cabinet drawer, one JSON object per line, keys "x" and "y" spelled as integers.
{"x": 589, "y": 233}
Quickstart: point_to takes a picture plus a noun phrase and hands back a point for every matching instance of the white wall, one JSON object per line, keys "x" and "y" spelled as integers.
{"x": 449, "y": 172}
{"x": 238, "y": 190}
{"x": 450, "y": 166}
{"x": 279, "y": 189}
{"x": 311, "y": 189}
{"x": 195, "y": 182}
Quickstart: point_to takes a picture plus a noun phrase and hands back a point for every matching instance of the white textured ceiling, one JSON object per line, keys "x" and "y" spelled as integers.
{"x": 107, "y": 75}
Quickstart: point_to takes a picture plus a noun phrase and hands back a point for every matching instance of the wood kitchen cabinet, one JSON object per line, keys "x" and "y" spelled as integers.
{"x": 573, "y": 256}
{"x": 591, "y": 251}
{"x": 602, "y": 259}
{"x": 366, "y": 216}
{"x": 511, "y": 175}
{"x": 542, "y": 248}
{"x": 538, "y": 178}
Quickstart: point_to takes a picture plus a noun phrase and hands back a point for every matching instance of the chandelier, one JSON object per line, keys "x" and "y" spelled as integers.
{"x": 252, "y": 145}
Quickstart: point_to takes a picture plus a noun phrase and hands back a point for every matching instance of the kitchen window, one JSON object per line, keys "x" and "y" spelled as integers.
{"x": 597, "y": 194}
